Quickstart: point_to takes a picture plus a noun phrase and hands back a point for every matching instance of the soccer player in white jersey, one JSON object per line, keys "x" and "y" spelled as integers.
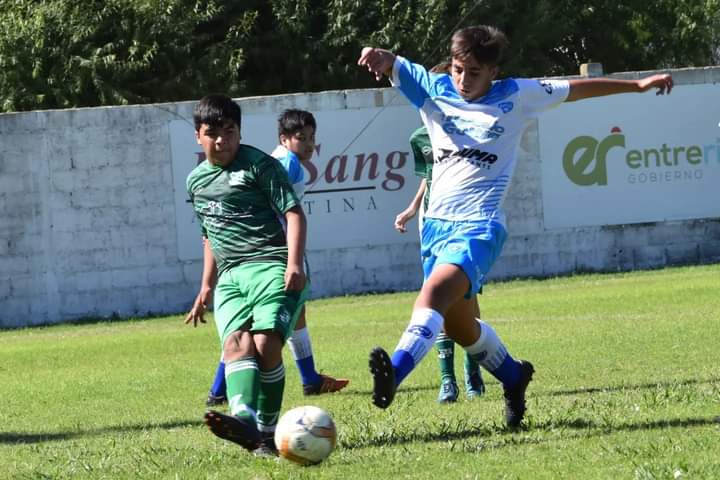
{"x": 423, "y": 156}
{"x": 475, "y": 124}
{"x": 296, "y": 130}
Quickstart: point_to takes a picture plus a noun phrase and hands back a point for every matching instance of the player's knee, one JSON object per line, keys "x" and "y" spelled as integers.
{"x": 238, "y": 345}
{"x": 268, "y": 346}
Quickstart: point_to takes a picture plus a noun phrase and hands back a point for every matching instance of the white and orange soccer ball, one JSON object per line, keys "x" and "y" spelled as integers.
{"x": 305, "y": 435}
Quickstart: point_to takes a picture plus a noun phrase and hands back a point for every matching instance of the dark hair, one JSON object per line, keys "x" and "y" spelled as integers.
{"x": 484, "y": 43}
{"x": 215, "y": 110}
{"x": 293, "y": 120}
{"x": 442, "y": 67}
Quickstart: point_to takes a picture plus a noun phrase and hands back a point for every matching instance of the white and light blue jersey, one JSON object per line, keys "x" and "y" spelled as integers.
{"x": 293, "y": 167}
{"x": 296, "y": 174}
{"x": 474, "y": 143}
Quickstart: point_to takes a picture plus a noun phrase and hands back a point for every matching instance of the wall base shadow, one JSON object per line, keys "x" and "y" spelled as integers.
{"x": 30, "y": 438}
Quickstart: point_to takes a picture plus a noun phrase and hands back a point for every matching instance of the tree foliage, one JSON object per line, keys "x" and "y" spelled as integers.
{"x": 61, "y": 53}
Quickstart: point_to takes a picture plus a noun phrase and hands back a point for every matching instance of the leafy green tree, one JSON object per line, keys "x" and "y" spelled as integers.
{"x": 61, "y": 53}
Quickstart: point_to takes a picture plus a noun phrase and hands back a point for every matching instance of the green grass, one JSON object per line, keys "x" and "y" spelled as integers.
{"x": 627, "y": 386}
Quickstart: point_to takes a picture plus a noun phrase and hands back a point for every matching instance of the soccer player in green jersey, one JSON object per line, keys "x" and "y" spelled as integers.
{"x": 238, "y": 193}
{"x": 474, "y": 384}
{"x": 296, "y": 133}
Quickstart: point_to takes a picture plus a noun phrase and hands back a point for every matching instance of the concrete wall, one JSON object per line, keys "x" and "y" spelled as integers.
{"x": 88, "y": 222}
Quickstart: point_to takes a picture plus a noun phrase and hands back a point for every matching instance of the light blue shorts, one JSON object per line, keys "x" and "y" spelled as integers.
{"x": 471, "y": 245}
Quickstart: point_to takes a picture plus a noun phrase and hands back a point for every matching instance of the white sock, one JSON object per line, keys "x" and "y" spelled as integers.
{"x": 419, "y": 337}
{"x": 488, "y": 350}
{"x": 299, "y": 344}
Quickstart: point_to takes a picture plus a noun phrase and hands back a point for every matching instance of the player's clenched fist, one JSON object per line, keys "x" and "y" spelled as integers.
{"x": 378, "y": 61}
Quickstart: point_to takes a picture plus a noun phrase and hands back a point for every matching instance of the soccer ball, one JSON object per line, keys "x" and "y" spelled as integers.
{"x": 305, "y": 435}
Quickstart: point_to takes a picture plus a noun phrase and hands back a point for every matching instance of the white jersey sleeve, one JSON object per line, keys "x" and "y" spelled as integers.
{"x": 418, "y": 84}
{"x": 291, "y": 164}
{"x": 536, "y": 96}
{"x": 413, "y": 80}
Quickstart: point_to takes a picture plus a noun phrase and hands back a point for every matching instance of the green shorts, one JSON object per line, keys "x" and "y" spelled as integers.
{"x": 252, "y": 297}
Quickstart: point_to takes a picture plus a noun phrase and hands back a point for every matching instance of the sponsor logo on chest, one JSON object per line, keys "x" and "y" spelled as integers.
{"x": 477, "y": 157}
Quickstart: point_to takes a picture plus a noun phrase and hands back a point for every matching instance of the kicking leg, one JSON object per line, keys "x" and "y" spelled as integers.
{"x": 242, "y": 377}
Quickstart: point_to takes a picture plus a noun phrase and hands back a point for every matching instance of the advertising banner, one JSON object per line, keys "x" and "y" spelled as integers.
{"x": 632, "y": 158}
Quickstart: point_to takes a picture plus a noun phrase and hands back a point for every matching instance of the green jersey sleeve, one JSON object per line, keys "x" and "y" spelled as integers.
{"x": 274, "y": 182}
{"x": 422, "y": 152}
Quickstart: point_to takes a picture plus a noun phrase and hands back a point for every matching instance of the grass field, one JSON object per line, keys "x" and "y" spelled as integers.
{"x": 627, "y": 386}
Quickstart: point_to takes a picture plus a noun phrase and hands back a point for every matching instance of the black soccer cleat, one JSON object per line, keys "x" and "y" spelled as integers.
{"x": 240, "y": 430}
{"x": 515, "y": 396}
{"x": 383, "y": 378}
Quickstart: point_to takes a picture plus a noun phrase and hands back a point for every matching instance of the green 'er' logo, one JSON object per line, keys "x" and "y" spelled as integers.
{"x": 584, "y": 158}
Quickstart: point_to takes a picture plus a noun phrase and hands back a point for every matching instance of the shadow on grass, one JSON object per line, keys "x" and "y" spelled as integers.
{"x": 416, "y": 388}
{"x": 498, "y": 437}
{"x": 641, "y": 386}
{"x": 18, "y": 437}
{"x": 445, "y": 434}
{"x": 492, "y": 384}
{"x": 94, "y": 320}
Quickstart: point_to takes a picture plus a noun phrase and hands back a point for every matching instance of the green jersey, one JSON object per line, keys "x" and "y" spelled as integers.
{"x": 423, "y": 155}
{"x": 238, "y": 207}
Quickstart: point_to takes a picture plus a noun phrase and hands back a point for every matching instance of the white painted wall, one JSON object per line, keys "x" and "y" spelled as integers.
{"x": 92, "y": 222}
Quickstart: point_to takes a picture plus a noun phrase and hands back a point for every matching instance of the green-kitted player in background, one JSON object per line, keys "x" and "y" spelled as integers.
{"x": 237, "y": 194}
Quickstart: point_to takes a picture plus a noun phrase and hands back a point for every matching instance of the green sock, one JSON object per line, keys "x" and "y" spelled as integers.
{"x": 446, "y": 357}
{"x": 243, "y": 383}
{"x": 471, "y": 365}
{"x": 272, "y": 386}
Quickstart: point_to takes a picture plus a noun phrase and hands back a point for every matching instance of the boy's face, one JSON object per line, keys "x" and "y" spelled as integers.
{"x": 301, "y": 143}
{"x": 472, "y": 79}
{"x": 220, "y": 143}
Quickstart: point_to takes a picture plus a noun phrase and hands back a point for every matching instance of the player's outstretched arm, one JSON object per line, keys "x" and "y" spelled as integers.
{"x": 599, "y": 87}
{"x": 207, "y": 285}
{"x": 296, "y": 235}
{"x": 378, "y": 61}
